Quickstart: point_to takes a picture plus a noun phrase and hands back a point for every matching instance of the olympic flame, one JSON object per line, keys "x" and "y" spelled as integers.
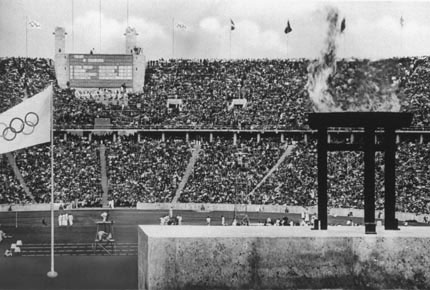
{"x": 372, "y": 92}
{"x": 321, "y": 70}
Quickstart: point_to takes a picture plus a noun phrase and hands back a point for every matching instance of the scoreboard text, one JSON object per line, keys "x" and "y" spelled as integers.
{"x": 101, "y": 70}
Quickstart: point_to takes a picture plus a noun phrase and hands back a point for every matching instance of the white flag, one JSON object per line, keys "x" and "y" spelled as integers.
{"x": 32, "y": 24}
{"x": 27, "y": 124}
{"x": 181, "y": 26}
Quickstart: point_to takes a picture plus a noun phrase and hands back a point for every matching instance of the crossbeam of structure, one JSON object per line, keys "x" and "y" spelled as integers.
{"x": 370, "y": 121}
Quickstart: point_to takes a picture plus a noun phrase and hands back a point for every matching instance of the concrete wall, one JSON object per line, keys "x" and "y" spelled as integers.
{"x": 139, "y": 66}
{"x": 130, "y": 39}
{"x": 202, "y": 257}
{"x": 62, "y": 70}
{"x": 60, "y": 40}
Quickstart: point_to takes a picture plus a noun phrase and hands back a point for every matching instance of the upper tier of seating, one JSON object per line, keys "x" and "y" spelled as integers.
{"x": 275, "y": 92}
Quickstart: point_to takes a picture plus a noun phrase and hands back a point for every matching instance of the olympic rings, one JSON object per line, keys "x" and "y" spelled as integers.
{"x": 30, "y": 122}
{"x": 12, "y": 127}
{"x": 5, "y": 134}
{"x": 1, "y": 130}
{"x": 17, "y": 126}
{"x": 29, "y": 133}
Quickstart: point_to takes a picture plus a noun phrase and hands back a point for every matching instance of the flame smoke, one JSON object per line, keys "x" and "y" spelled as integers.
{"x": 320, "y": 71}
{"x": 373, "y": 92}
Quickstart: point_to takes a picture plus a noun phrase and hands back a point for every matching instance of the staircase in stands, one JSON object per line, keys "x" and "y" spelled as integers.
{"x": 104, "y": 179}
{"x": 287, "y": 152}
{"x": 188, "y": 171}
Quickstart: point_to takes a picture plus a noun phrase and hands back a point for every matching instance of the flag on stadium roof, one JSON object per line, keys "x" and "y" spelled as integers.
{"x": 342, "y": 25}
{"x": 232, "y": 25}
{"x": 181, "y": 26}
{"x": 288, "y": 29}
{"x": 33, "y": 24}
{"x": 27, "y": 124}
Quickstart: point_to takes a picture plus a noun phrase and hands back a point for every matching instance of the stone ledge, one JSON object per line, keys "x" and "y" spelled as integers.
{"x": 207, "y": 257}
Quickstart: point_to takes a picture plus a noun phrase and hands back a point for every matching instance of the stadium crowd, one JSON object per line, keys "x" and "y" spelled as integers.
{"x": 77, "y": 171}
{"x": 145, "y": 171}
{"x": 275, "y": 92}
{"x": 150, "y": 170}
{"x": 225, "y": 173}
{"x": 22, "y": 78}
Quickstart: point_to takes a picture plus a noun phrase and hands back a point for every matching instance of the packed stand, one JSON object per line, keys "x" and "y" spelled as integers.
{"x": 226, "y": 173}
{"x": 21, "y": 78}
{"x": 73, "y": 113}
{"x": 77, "y": 170}
{"x": 11, "y": 191}
{"x": 415, "y": 91}
{"x": 295, "y": 181}
{"x": 272, "y": 89}
{"x": 151, "y": 170}
{"x": 275, "y": 92}
{"x": 34, "y": 163}
{"x": 413, "y": 177}
{"x": 145, "y": 171}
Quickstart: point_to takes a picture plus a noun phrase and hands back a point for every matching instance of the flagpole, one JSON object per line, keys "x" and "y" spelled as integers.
{"x": 73, "y": 34}
{"x": 342, "y": 35}
{"x": 52, "y": 273}
{"x": 401, "y": 36}
{"x": 100, "y": 26}
{"x": 173, "y": 38}
{"x": 127, "y": 13}
{"x": 286, "y": 31}
{"x": 230, "y": 44}
{"x": 26, "y": 36}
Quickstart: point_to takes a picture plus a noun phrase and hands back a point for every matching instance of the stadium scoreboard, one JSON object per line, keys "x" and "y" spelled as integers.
{"x": 100, "y": 70}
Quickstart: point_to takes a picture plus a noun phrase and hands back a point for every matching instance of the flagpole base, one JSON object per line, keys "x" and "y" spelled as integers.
{"x": 52, "y": 274}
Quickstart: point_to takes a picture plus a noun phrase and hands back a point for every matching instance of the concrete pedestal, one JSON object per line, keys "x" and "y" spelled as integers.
{"x": 211, "y": 257}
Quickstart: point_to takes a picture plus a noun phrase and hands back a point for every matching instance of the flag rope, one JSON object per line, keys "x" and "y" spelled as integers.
{"x": 26, "y": 36}
{"x": 173, "y": 38}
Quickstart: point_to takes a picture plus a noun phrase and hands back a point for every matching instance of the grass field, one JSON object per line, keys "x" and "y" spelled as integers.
{"x": 92, "y": 272}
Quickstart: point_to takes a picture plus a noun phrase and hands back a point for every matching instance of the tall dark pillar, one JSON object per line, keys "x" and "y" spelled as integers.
{"x": 390, "y": 180}
{"x": 369, "y": 181}
{"x": 322, "y": 178}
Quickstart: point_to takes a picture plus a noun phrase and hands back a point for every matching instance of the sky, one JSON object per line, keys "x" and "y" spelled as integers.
{"x": 373, "y": 28}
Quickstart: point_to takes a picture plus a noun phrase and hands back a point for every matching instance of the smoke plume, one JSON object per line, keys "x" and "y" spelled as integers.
{"x": 366, "y": 88}
{"x": 321, "y": 70}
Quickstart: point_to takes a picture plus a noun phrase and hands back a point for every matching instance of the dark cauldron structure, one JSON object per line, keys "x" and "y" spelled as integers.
{"x": 388, "y": 122}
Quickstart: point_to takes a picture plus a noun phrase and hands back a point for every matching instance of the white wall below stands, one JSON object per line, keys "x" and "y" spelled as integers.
{"x": 29, "y": 207}
{"x": 207, "y": 207}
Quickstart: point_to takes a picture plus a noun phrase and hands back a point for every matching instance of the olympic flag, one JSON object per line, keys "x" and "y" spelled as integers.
{"x": 27, "y": 124}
